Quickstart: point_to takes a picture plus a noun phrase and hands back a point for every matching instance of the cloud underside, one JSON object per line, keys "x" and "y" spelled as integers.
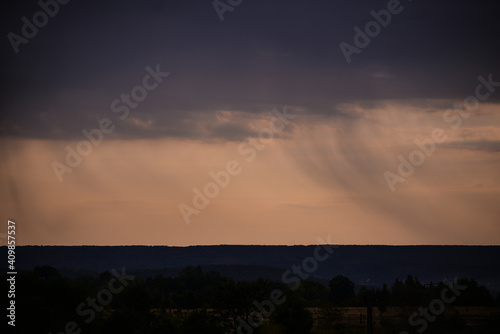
{"x": 321, "y": 174}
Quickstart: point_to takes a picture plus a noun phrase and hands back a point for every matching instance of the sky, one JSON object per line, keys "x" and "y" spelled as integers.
{"x": 181, "y": 123}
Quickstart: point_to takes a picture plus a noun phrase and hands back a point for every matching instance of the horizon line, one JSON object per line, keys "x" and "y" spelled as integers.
{"x": 260, "y": 245}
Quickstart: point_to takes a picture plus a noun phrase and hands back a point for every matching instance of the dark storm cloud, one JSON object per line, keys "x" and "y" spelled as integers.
{"x": 265, "y": 54}
{"x": 475, "y": 145}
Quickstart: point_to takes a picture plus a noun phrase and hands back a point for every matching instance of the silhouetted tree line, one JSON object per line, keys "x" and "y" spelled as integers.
{"x": 208, "y": 302}
{"x": 409, "y": 292}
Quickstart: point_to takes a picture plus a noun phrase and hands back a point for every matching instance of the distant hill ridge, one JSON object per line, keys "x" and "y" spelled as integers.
{"x": 369, "y": 265}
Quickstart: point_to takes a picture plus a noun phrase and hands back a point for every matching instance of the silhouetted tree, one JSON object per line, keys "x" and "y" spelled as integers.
{"x": 46, "y": 272}
{"x": 291, "y": 316}
{"x": 314, "y": 293}
{"x": 341, "y": 290}
{"x": 383, "y": 299}
{"x": 474, "y": 295}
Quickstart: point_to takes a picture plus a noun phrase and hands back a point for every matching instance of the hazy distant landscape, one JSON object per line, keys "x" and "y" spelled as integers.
{"x": 365, "y": 265}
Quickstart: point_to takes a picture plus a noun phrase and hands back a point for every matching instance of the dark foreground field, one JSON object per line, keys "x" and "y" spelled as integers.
{"x": 196, "y": 301}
